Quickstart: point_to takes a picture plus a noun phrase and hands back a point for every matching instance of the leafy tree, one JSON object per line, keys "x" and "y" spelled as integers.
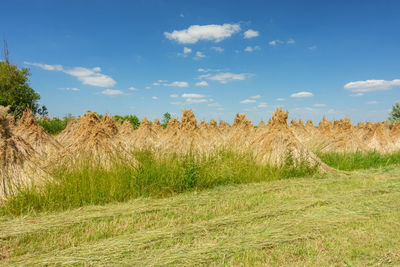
{"x": 395, "y": 114}
{"x": 166, "y": 119}
{"x": 16, "y": 92}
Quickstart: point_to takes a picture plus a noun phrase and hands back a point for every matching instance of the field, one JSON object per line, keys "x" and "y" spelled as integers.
{"x": 94, "y": 190}
{"x": 345, "y": 218}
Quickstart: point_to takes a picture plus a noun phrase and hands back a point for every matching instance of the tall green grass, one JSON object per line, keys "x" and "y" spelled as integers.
{"x": 359, "y": 160}
{"x": 54, "y": 125}
{"x": 90, "y": 183}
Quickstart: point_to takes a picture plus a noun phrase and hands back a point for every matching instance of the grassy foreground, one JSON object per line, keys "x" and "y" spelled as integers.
{"x": 344, "y": 219}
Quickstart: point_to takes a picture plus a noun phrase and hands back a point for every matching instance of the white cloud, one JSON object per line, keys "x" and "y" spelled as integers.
{"x": 302, "y": 95}
{"x": 372, "y": 102}
{"x": 112, "y": 92}
{"x": 70, "y": 89}
{"x": 187, "y": 50}
{"x": 162, "y": 81}
{"x": 174, "y": 96}
{"x": 217, "y": 49}
{"x": 319, "y": 105}
{"x": 196, "y": 100}
{"x": 313, "y": 47}
{"x": 207, "y": 70}
{"x": 252, "y": 48}
{"x": 199, "y": 55}
{"x": 176, "y": 84}
{"x": 290, "y": 41}
{"x": 247, "y": 101}
{"x": 156, "y": 84}
{"x": 371, "y": 85}
{"x": 256, "y": 96}
{"x": 86, "y": 76}
{"x": 280, "y": 99}
{"x": 225, "y": 77}
{"x": 262, "y": 105}
{"x": 132, "y": 88}
{"x": 45, "y": 66}
{"x": 275, "y": 42}
{"x": 154, "y": 97}
{"x": 193, "y": 96}
{"x": 202, "y": 83}
{"x": 211, "y": 32}
{"x": 181, "y": 15}
{"x": 251, "y": 34}
{"x": 147, "y": 87}
{"x": 176, "y": 103}
{"x": 91, "y": 76}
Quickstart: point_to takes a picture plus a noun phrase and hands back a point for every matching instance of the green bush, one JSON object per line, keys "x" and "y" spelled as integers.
{"x": 131, "y": 118}
{"x": 54, "y": 125}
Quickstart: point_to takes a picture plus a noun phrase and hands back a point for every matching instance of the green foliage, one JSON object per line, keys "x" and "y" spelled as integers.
{"x": 54, "y": 125}
{"x": 166, "y": 118}
{"x": 90, "y": 183}
{"x": 16, "y": 92}
{"x": 131, "y": 118}
{"x": 395, "y": 114}
{"x": 359, "y": 160}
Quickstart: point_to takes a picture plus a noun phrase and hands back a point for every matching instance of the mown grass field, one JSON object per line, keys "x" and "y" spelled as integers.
{"x": 341, "y": 219}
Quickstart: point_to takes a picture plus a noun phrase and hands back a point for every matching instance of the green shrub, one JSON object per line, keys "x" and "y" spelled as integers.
{"x": 54, "y": 125}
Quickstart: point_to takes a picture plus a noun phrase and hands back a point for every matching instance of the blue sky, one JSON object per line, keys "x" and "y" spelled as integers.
{"x": 218, "y": 57}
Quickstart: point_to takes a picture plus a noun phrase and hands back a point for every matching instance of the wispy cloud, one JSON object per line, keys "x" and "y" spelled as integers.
{"x": 371, "y": 85}
{"x": 177, "y": 84}
{"x": 256, "y": 96}
{"x": 225, "y": 77}
{"x": 252, "y": 48}
{"x": 193, "y": 96}
{"x": 199, "y": 55}
{"x": 302, "y": 95}
{"x": 280, "y": 99}
{"x": 217, "y": 49}
{"x": 247, "y": 101}
{"x": 313, "y": 47}
{"x": 290, "y": 41}
{"x": 174, "y": 96}
{"x": 86, "y": 76}
{"x": 195, "y": 33}
{"x": 251, "y": 34}
{"x": 372, "y": 102}
{"x": 275, "y": 42}
{"x": 132, "y": 88}
{"x": 45, "y": 66}
{"x": 70, "y": 89}
{"x": 262, "y": 105}
{"x": 112, "y": 92}
{"x": 202, "y": 84}
{"x": 196, "y": 100}
{"x": 154, "y": 97}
